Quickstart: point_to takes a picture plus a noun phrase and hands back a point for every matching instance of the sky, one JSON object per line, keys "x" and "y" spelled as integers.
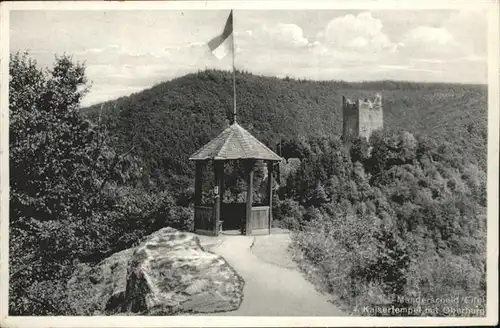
{"x": 128, "y": 51}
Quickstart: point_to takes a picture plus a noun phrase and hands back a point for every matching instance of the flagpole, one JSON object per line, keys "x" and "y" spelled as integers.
{"x": 234, "y": 74}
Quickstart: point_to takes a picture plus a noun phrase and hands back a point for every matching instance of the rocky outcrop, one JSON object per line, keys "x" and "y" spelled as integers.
{"x": 167, "y": 273}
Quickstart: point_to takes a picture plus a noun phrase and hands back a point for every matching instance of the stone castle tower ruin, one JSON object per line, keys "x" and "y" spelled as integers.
{"x": 361, "y": 117}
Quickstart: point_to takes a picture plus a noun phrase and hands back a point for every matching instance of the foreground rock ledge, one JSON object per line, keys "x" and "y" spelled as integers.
{"x": 167, "y": 273}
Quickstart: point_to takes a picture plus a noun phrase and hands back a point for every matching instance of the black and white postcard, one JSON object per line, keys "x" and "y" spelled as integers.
{"x": 249, "y": 163}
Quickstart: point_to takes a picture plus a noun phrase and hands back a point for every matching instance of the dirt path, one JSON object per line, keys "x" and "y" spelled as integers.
{"x": 273, "y": 286}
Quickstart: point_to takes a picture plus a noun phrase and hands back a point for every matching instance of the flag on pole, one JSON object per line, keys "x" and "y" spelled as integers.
{"x": 222, "y": 44}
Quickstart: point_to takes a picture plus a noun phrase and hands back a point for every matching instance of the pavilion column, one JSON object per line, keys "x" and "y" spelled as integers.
{"x": 198, "y": 185}
{"x": 270, "y": 192}
{"x": 219, "y": 176}
{"x": 198, "y": 182}
{"x": 222, "y": 186}
{"x": 249, "y": 169}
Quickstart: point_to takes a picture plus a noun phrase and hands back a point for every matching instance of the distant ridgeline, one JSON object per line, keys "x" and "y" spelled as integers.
{"x": 168, "y": 122}
{"x": 360, "y": 118}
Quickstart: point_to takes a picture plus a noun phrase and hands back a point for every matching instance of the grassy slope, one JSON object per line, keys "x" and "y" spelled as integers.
{"x": 169, "y": 121}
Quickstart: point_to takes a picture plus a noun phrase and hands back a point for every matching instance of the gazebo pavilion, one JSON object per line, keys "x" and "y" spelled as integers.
{"x": 233, "y": 144}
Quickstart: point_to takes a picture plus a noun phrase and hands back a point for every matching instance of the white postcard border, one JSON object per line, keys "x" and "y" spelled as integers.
{"x": 226, "y": 321}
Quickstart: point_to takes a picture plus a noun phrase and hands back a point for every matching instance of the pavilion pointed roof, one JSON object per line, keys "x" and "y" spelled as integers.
{"x": 235, "y": 143}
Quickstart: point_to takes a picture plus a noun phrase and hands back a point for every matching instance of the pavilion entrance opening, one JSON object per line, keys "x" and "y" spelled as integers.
{"x": 234, "y": 184}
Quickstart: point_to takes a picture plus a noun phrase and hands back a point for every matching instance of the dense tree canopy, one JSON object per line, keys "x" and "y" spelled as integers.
{"x": 375, "y": 216}
{"x": 72, "y": 197}
{"x": 401, "y": 214}
{"x": 170, "y": 121}
{"x": 401, "y": 221}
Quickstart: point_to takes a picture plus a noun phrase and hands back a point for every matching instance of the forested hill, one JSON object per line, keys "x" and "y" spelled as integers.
{"x": 168, "y": 122}
{"x": 380, "y": 221}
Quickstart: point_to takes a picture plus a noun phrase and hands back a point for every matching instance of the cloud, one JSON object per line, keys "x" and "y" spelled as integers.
{"x": 429, "y": 36}
{"x": 111, "y": 48}
{"x": 105, "y": 91}
{"x": 461, "y": 35}
{"x": 361, "y": 33}
{"x": 115, "y": 55}
{"x": 140, "y": 49}
{"x": 116, "y": 72}
{"x": 428, "y": 60}
{"x": 469, "y": 27}
{"x": 287, "y": 35}
{"x": 408, "y": 68}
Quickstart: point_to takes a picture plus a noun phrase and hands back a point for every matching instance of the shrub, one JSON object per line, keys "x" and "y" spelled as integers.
{"x": 412, "y": 227}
